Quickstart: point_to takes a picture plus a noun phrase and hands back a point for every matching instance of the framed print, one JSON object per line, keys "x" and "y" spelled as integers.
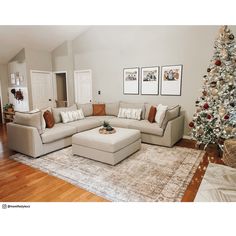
{"x": 171, "y": 80}
{"x": 150, "y": 80}
{"x": 131, "y": 81}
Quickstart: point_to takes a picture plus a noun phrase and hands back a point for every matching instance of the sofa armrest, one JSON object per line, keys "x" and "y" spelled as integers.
{"x": 24, "y": 139}
{"x": 174, "y": 130}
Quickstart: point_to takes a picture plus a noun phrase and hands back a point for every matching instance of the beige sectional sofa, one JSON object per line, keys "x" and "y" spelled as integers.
{"x": 30, "y": 137}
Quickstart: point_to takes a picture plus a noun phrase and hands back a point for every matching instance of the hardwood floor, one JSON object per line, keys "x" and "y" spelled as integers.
{"x": 22, "y": 183}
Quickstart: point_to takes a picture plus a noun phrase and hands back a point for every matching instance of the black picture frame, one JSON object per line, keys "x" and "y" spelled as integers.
{"x": 133, "y": 90}
{"x": 157, "y": 78}
{"x": 180, "y": 66}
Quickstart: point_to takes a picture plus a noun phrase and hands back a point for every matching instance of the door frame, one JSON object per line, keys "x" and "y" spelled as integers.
{"x": 40, "y": 71}
{"x": 54, "y": 85}
{"x": 3, "y": 121}
{"x": 78, "y": 71}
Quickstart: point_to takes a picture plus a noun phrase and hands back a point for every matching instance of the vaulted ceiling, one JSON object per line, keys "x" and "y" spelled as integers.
{"x": 14, "y": 38}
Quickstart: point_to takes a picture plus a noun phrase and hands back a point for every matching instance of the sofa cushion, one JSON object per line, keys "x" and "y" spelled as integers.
{"x": 152, "y": 114}
{"x": 120, "y": 122}
{"x": 69, "y": 116}
{"x": 147, "y": 109}
{"x": 85, "y": 124}
{"x": 30, "y": 119}
{"x": 130, "y": 113}
{"x": 99, "y": 110}
{"x": 87, "y": 108}
{"x": 146, "y": 127}
{"x": 134, "y": 105}
{"x": 171, "y": 114}
{"x": 112, "y": 109}
{"x": 57, "y": 112}
{"x": 43, "y": 120}
{"x": 59, "y": 131}
{"x": 160, "y": 114}
{"x": 49, "y": 120}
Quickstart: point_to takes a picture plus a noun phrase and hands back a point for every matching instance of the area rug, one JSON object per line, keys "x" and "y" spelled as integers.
{"x": 152, "y": 174}
{"x": 218, "y": 184}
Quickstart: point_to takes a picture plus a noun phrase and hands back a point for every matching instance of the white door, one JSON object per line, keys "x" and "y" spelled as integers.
{"x": 83, "y": 86}
{"x": 42, "y": 89}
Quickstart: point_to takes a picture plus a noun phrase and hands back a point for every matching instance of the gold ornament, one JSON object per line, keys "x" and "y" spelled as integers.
{"x": 222, "y": 111}
{"x": 214, "y": 92}
{"x": 199, "y": 109}
{"x": 201, "y": 131}
{"x": 228, "y": 129}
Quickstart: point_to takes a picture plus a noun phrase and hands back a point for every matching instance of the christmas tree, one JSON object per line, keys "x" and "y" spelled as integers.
{"x": 215, "y": 118}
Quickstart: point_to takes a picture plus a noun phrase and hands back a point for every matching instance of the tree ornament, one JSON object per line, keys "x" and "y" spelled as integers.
{"x": 222, "y": 111}
{"x": 199, "y": 109}
{"x": 206, "y": 106}
{"x": 228, "y": 129}
{"x": 234, "y": 131}
{"x": 213, "y": 84}
{"x": 204, "y": 93}
{"x": 208, "y": 70}
{"x": 208, "y": 116}
{"x": 214, "y": 92}
{"x": 231, "y": 37}
{"x": 191, "y": 124}
{"x": 217, "y": 62}
{"x": 201, "y": 131}
{"x": 226, "y": 117}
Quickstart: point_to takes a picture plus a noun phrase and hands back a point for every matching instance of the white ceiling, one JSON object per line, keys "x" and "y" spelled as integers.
{"x": 14, "y": 38}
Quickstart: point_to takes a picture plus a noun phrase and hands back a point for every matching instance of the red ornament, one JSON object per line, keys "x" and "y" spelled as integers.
{"x": 191, "y": 124}
{"x": 208, "y": 117}
{"x": 206, "y": 106}
{"x": 217, "y": 62}
{"x": 226, "y": 117}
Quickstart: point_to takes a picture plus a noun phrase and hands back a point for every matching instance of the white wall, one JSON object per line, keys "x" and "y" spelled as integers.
{"x": 108, "y": 49}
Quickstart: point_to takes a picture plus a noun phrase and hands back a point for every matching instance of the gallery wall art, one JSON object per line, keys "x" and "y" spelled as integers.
{"x": 150, "y": 80}
{"x": 131, "y": 81}
{"x": 171, "y": 80}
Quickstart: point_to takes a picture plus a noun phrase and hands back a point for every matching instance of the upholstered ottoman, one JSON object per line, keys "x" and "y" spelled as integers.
{"x": 107, "y": 148}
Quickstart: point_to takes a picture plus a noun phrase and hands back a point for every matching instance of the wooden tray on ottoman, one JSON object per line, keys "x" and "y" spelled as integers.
{"x": 104, "y": 131}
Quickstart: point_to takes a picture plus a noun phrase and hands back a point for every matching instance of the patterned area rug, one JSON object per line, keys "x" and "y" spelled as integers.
{"x": 218, "y": 184}
{"x": 152, "y": 174}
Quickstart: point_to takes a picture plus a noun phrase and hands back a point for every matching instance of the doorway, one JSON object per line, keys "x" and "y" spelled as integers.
{"x": 60, "y": 89}
{"x": 83, "y": 86}
{"x": 42, "y": 89}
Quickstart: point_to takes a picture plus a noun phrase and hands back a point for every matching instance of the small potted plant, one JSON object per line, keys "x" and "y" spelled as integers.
{"x": 9, "y": 107}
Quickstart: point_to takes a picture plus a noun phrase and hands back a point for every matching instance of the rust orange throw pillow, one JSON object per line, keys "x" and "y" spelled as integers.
{"x": 49, "y": 120}
{"x": 152, "y": 114}
{"x": 99, "y": 110}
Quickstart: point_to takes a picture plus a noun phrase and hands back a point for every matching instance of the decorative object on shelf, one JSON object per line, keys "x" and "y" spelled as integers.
{"x": 107, "y": 129}
{"x": 8, "y": 112}
{"x": 18, "y": 94}
{"x": 16, "y": 78}
{"x": 171, "y": 80}
{"x": 131, "y": 81}
{"x": 9, "y": 107}
{"x": 218, "y": 96}
{"x": 150, "y": 80}
{"x": 13, "y": 78}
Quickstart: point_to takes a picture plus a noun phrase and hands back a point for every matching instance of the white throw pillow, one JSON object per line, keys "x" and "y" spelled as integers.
{"x": 160, "y": 114}
{"x": 69, "y": 116}
{"x": 130, "y": 113}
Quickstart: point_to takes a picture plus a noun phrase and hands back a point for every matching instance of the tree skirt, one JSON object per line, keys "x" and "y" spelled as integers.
{"x": 152, "y": 174}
